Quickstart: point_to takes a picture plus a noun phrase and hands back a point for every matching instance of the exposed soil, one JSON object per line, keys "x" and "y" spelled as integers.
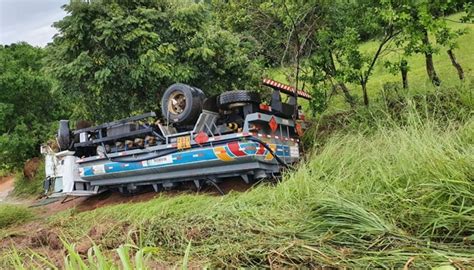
{"x": 114, "y": 197}
{"x": 6, "y": 186}
{"x": 37, "y": 237}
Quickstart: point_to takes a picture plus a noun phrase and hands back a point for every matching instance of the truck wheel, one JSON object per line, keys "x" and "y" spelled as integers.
{"x": 64, "y": 136}
{"x": 182, "y": 103}
{"x": 238, "y": 97}
{"x": 211, "y": 104}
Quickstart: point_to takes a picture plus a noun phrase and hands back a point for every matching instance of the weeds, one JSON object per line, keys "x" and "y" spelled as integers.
{"x": 13, "y": 214}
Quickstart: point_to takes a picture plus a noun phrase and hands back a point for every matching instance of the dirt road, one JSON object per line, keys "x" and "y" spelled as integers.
{"x": 6, "y": 186}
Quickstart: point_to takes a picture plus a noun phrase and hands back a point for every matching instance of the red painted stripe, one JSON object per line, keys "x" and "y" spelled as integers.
{"x": 261, "y": 150}
{"x": 234, "y": 148}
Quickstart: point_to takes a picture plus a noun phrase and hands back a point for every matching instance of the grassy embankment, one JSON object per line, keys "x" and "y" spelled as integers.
{"x": 394, "y": 187}
{"x": 400, "y": 191}
{"x": 29, "y": 188}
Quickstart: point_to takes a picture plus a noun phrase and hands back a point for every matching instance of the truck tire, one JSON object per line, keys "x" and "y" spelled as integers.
{"x": 230, "y": 98}
{"x": 64, "y": 135}
{"x": 211, "y": 104}
{"x": 182, "y": 103}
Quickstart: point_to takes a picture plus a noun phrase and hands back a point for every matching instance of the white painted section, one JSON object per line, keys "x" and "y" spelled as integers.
{"x": 83, "y": 137}
{"x": 98, "y": 169}
{"x": 161, "y": 160}
{"x": 49, "y": 165}
{"x": 70, "y": 173}
{"x": 294, "y": 151}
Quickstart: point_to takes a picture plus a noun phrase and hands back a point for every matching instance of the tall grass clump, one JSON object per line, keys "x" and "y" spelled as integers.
{"x": 405, "y": 185}
{"x": 397, "y": 107}
{"x": 13, "y": 214}
{"x": 129, "y": 257}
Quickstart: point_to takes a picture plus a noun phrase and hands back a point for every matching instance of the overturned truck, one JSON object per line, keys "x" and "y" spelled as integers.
{"x": 197, "y": 139}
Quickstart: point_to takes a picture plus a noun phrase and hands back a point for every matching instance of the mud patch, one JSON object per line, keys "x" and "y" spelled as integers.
{"x": 48, "y": 238}
{"x": 109, "y": 236}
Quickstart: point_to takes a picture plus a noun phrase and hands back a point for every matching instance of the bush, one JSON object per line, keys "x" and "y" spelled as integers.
{"x": 27, "y": 105}
{"x": 13, "y": 214}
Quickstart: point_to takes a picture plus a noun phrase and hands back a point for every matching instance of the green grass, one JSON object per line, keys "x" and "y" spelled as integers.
{"x": 371, "y": 196}
{"x": 14, "y": 214}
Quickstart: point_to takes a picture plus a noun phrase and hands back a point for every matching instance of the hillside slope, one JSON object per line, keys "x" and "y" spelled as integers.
{"x": 417, "y": 76}
{"x": 398, "y": 195}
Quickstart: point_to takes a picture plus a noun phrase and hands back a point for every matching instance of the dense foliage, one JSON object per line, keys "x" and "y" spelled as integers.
{"x": 113, "y": 58}
{"x": 27, "y": 105}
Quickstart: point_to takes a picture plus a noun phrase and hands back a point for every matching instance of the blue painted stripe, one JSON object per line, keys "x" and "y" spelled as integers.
{"x": 180, "y": 158}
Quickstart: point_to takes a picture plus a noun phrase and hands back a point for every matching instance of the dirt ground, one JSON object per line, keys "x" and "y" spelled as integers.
{"x": 6, "y": 186}
{"x": 114, "y": 197}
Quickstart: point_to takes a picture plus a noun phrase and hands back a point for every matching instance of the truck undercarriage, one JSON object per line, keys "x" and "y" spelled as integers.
{"x": 198, "y": 139}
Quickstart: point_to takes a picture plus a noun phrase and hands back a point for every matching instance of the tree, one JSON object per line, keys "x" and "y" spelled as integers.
{"x": 113, "y": 58}
{"x": 401, "y": 66}
{"x": 325, "y": 68}
{"x": 326, "y": 64}
{"x": 27, "y": 105}
{"x": 446, "y": 36}
{"x": 337, "y": 53}
{"x": 421, "y": 18}
{"x": 404, "y": 72}
{"x": 383, "y": 17}
{"x": 272, "y": 25}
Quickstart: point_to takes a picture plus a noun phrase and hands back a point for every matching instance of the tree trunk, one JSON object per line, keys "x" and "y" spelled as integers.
{"x": 430, "y": 69}
{"x": 364, "y": 92}
{"x": 456, "y": 64}
{"x": 404, "y": 72}
{"x": 347, "y": 95}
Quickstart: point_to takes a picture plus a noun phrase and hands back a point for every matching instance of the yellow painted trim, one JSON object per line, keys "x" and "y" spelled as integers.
{"x": 221, "y": 153}
{"x": 269, "y": 156}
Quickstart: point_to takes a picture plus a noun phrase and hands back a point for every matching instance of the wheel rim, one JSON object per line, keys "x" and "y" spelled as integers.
{"x": 177, "y": 102}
